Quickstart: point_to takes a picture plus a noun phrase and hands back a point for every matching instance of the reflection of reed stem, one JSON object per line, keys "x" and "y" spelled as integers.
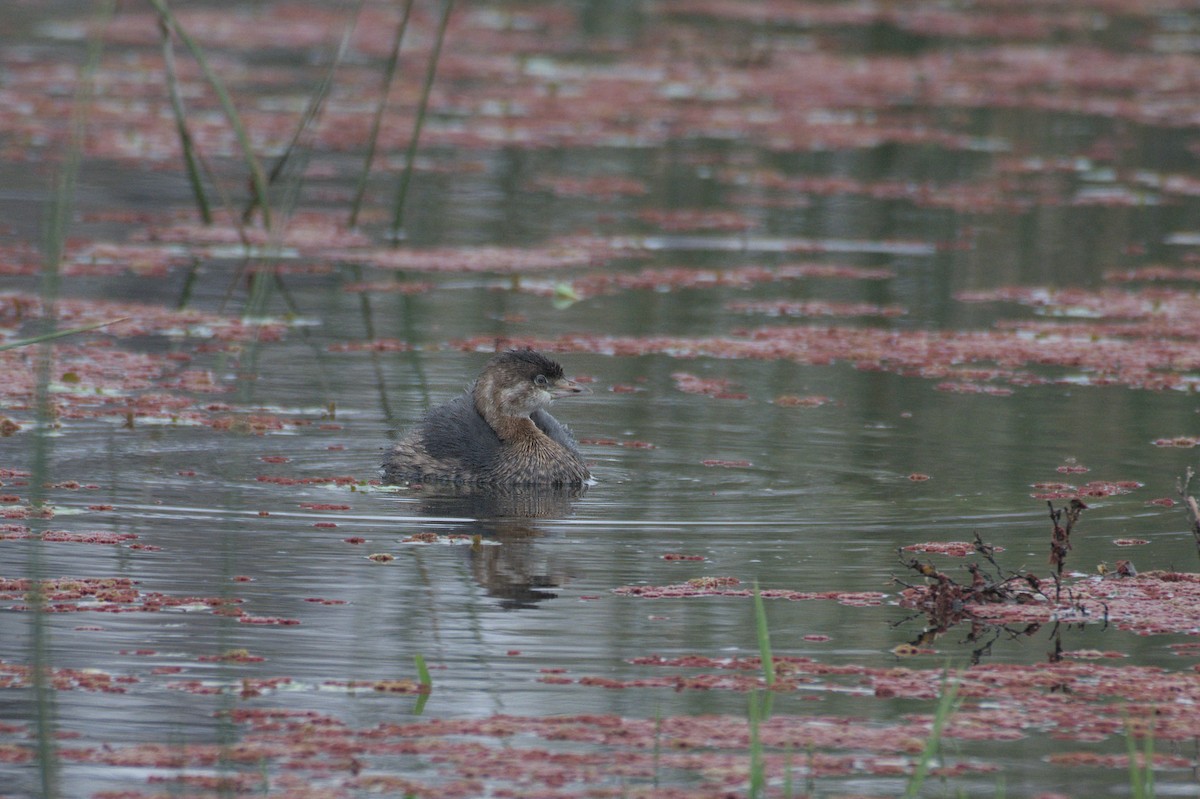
{"x": 56, "y": 234}
{"x": 185, "y": 135}
{"x": 423, "y": 104}
{"x": 389, "y": 73}
{"x": 258, "y": 178}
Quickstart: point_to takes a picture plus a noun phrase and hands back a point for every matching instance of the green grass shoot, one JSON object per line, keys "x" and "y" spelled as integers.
{"x": 389, "y": 74}
{"x": 764, "y": 638}
{"x": 258, "y": 178}
{"x": 410, "y": 154}
{"x": 422, "y": 672}
{"x": 947, "y": 704}
{"x": 24, "y": 342}
{"x": 186, "y": 143}
{"x": 312, "y": 113}
{"x": 1141, "y": 775}
{"x": 426, "y": 684}
{"x": 758, "y": 708}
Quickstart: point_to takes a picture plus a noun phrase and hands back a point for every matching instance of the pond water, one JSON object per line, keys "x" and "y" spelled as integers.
{"x": 699, "y": 447}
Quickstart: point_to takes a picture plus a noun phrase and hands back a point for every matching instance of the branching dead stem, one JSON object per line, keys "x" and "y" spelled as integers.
{"x": 1060, "y": 539}
{"x": 1193, "y": 508}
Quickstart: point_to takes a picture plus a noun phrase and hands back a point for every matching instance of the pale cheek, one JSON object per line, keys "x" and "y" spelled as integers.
{"x": 517, "y": 398}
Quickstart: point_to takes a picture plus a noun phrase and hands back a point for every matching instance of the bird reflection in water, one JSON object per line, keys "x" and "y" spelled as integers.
{"x": 517, "y": 572}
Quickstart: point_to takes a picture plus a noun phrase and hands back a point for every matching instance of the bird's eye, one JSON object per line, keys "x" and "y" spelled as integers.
{"x": 540, "y": 380}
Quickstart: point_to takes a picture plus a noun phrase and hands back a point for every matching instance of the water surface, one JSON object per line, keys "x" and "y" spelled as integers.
{"x": 816, "y": 499}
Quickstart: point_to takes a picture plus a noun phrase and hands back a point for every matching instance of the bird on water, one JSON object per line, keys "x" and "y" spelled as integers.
{"x": 497, "y": 432}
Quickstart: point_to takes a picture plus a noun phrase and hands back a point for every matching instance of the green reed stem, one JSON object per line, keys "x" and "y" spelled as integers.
{"x": 186, "y": 142}
{"x": 426, "y": 684}
{"x": 258, "y": 178}
{"x": 947, "y": 704}
{"x": 764, "y": 638}
{"x": 422, "y": 671}
{"x": 410, "y": 155}
{"x": 1141, "y": 776}
{"x": 311, "y": 112}
{"x": 57, "y": 334}
{"x": 389, "y": 74}
{"x": 758, "y": 770}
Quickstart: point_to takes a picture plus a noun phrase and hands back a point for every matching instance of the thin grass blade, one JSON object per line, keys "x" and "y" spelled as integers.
{"x": 389, "y": 75}
{"x": 410, "y": 155}
{"x": 764, "y": 638}
{"x": 58, "y": 334}
{"x": 945, "y": 709}
{"x": 258, "y": 178}
{"x": 186, "y": 143}
{"x": 312, "y": 111}
{"x": 422, "y": 672}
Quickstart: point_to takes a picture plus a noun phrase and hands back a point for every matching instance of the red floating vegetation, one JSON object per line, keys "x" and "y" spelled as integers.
{"x": 954, "y": 549}
{"x": 678, "y": 556}
{"x": 1095, "y": 488}
{"x": 1130, "y": 542}
{"x": 274, "y": 459}
{"x": 1183, "y": 442}
{"x": 605, "y": 187}
{"x": 383, "y": 686}
{"x": 1153, "y": 353}
{"x": 1093, "y": 654}
{"x": 676, "y": 278}
{"x": 232, "y": 656}
{"x": 382, "y": 287}
{"x": 110, "y": 595}
{"x": 16, "y": 532}
{"x": 688, "y": 219}
{"x": 810, "y": 401}
{"x": 612, "y": 442}
{"x": 289, "y": 481}
{"x": 1147, "y": 274}
{"x": 375, "y": 345}
{"x": 952, "y": 387}
{"x": 257, "y": 424}
{"x": 728, "y": 587}
{"x": 14, "y": 675}
{"x": 26, "y": 512}
{"x": 1146, "y": 603}
{"x": 354, "y": 539}
{"x": 323, "y": 506}
{"x": 815, "y": 308}
{"x": 325, "y": 525}
{"x": 88, "y": 538}
{"x": 276, "y": 620}
{"x": 917, "y": 477}
{"x": 503, "y": 260}
{"x": 421, "y": 538}
{"x": 710, "y": 386}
